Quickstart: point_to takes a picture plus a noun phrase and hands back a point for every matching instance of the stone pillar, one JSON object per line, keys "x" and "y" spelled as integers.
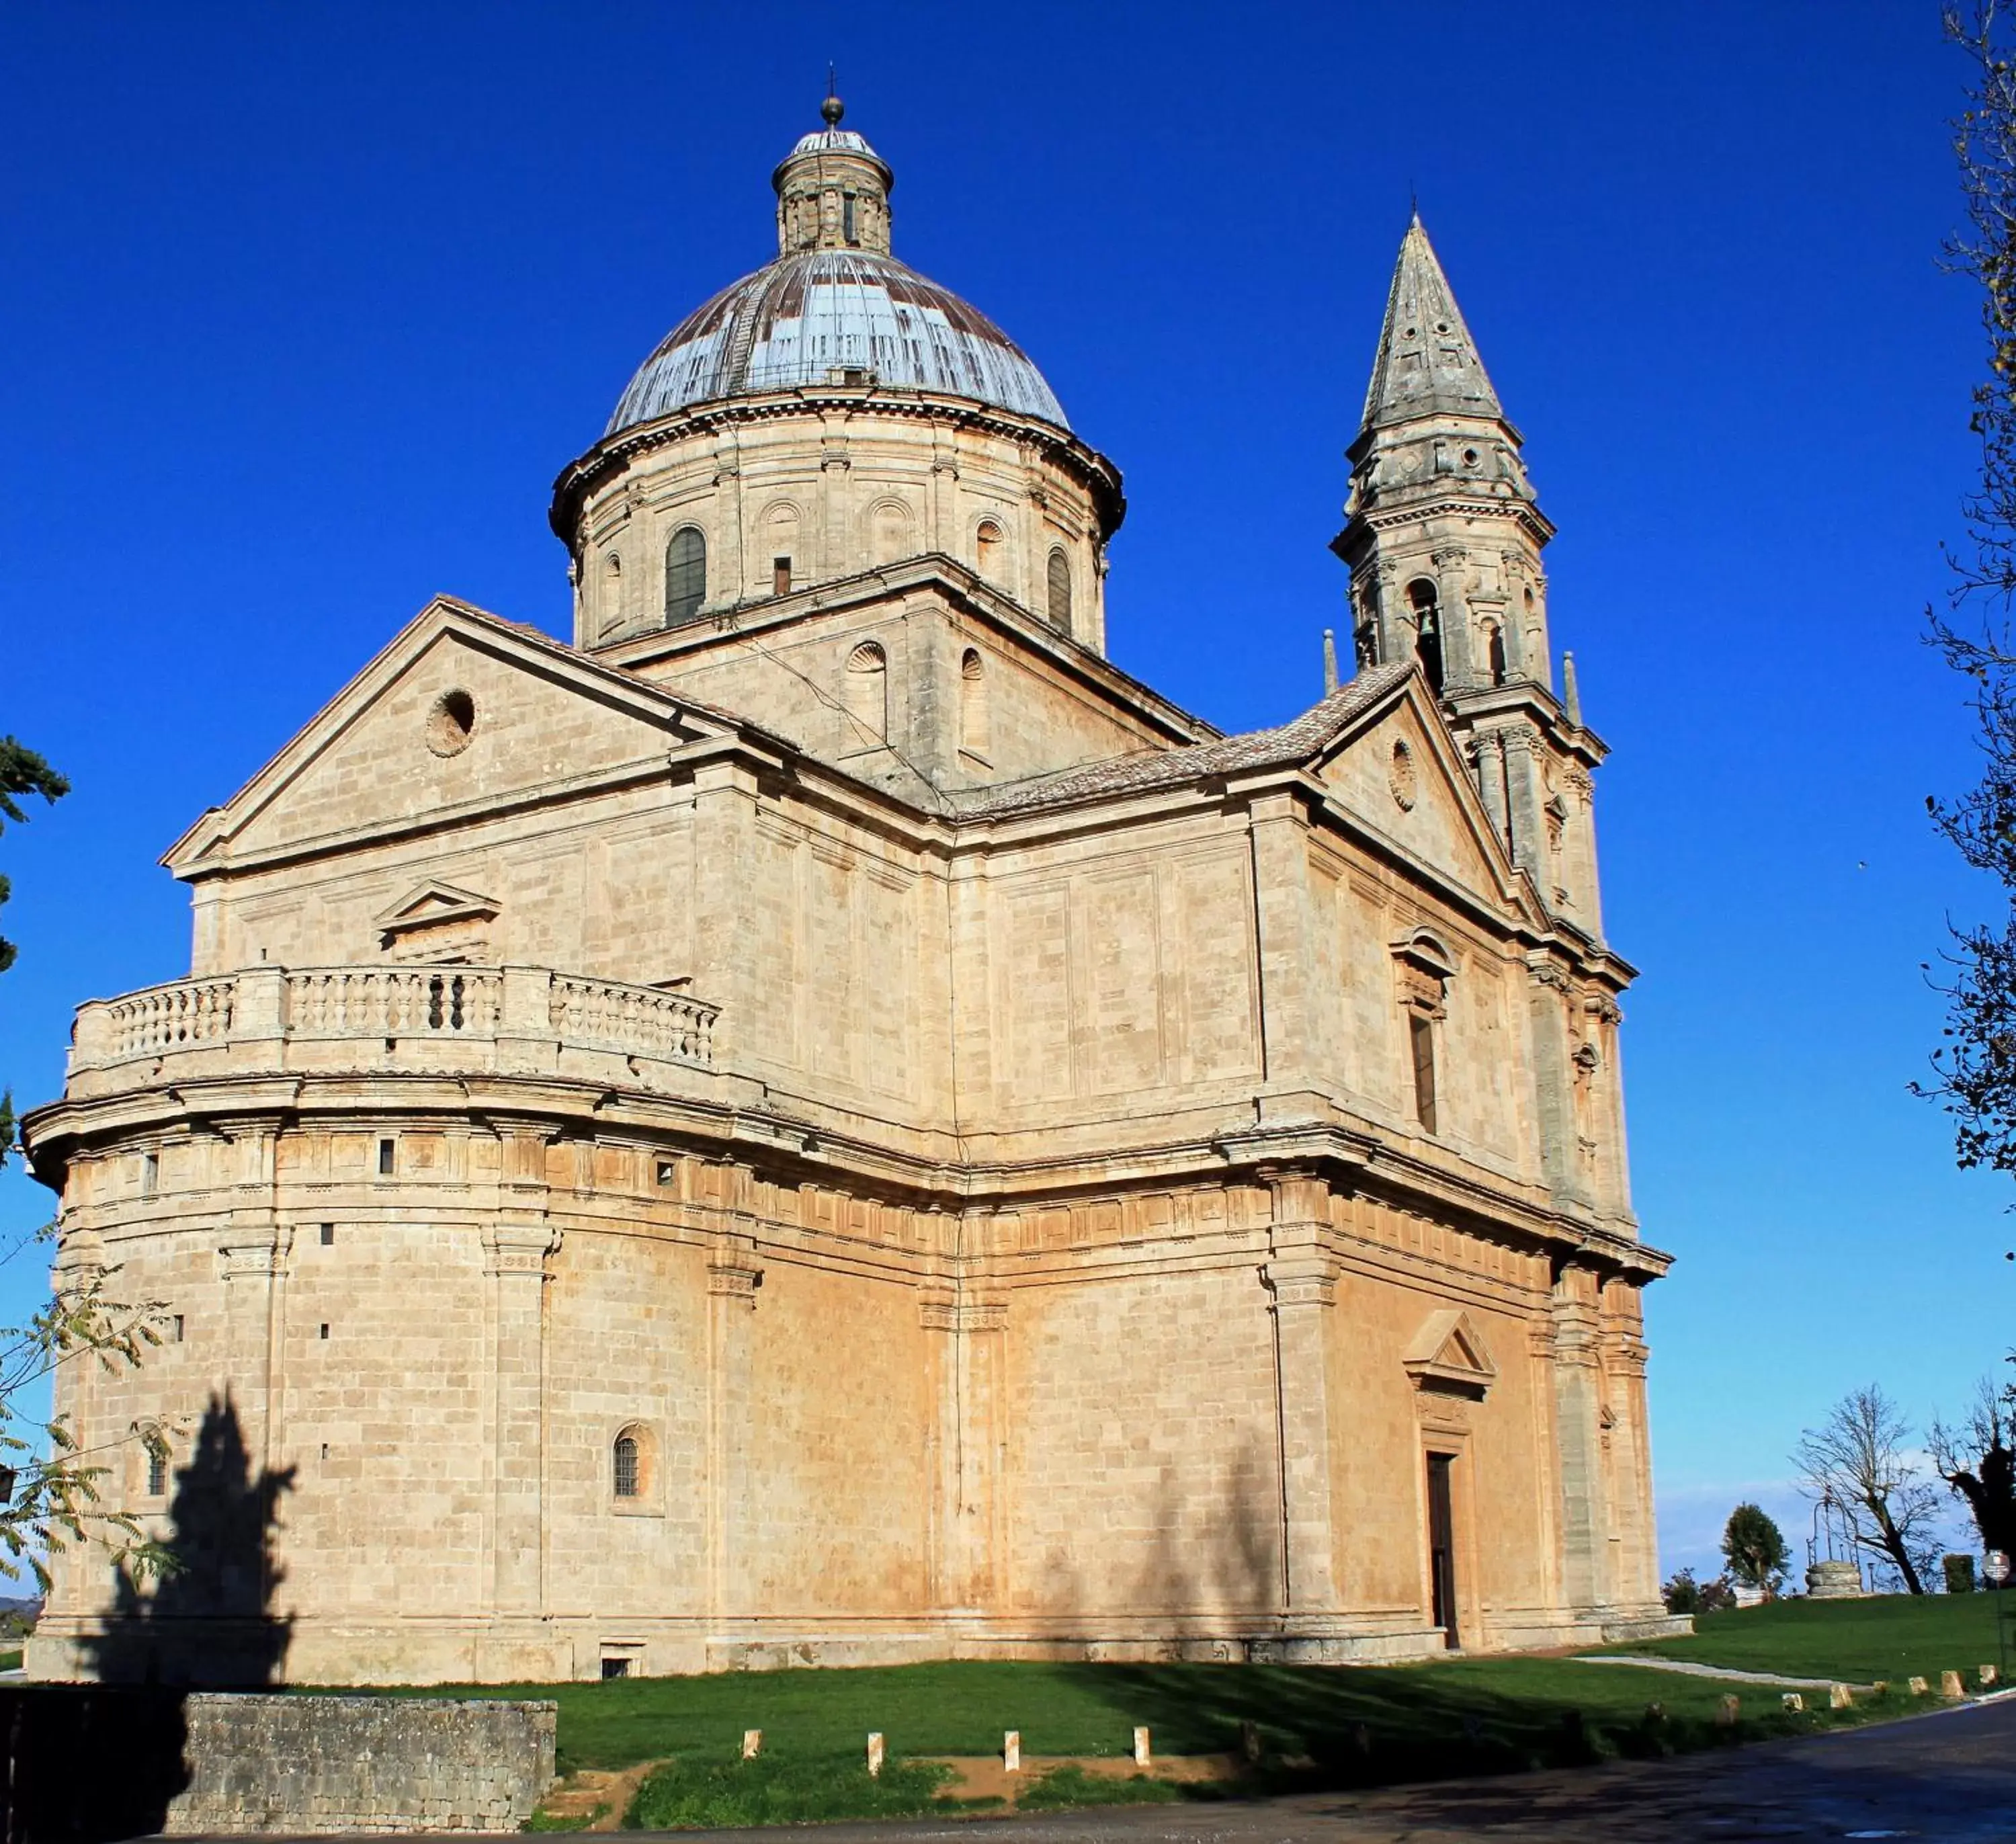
{"x": 727, "y": 571}
{"x": 254, "y": 1255}
{"x": 1522, "y": 789}
{"x": 1301, "y": 1279}
{"x": 1581, "y": 841}
{"x": 1634, "y": 1580}
{"x": 1578, "y": 1443}
{"x": 1487, "y": 756}
{"x": 78, "y": 1569}
{"x": 836, "y": 500}
{"x": 1554, "y": 1078}
{"x": 1289, "y": 1031}
{"x": 1459, "y": 670}
{"x": 942, "y": 509}
{"x": 517, "y": 1246}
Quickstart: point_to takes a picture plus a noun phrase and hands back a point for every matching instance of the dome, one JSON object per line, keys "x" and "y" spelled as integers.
{"x": 835, "y": 316}
{"x": 836, "y": 307}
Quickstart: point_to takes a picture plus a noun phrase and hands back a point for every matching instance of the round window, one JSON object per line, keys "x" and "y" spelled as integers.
{"x": 451, "y": 723}
{"x": 1400, "y": 777}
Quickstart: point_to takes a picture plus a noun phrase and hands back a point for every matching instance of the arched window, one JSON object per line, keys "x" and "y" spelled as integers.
{"x": 1423, "y": 599}
{"x": 972, "y": 705}
{"x": 686, "y": 575}
{"x": 1494, "y": 649}
{"x": 988, "y": 544}
{"x": 1058, "y": 586}
{"x": 627, "y": 1465}
{"x": 779, "y": 548}
{"x": 609, "y": 611}
{"x": 865, "y": 696}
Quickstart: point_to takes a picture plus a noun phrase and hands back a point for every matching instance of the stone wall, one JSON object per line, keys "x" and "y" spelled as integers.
{"x": 108, "y": 1763}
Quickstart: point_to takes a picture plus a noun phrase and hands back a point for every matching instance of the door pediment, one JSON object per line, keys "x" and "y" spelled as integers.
{"x": 1449, "y": 1353}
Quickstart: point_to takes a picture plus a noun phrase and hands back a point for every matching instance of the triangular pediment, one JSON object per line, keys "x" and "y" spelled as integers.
{"x": 1449, "y": 1352}
{"x": 461, "y": 714}
{"x": 1395, "y": 766}
{"x": 434, "y": 903}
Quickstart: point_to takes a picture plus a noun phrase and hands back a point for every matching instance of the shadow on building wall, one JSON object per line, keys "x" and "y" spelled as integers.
{"x": 85, "y": 1763}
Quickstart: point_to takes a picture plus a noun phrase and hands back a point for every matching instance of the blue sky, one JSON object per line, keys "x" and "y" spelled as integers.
{"x": 305, "y": 306}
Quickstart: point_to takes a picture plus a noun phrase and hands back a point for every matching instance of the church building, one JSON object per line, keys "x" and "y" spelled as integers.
{"x": 824, "y": 1122}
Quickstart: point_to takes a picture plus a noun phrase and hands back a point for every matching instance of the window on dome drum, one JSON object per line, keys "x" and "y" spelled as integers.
{"x": 847, "y": 219}
{"x": 1421, "y": 1042}
{"x": 1425, "y": 603}
{"x": 972, "y": 705}
{"x": 1058, "y": 585}
{"x": 686, "y": 575}
{"x": 611, "y": 611}
{"x": 388, "y": 1153}
{"x": 150, "y": 1174}
{"x": 627, "y": 1473}
{"x": 780, "y": 576}
{"x": 865, "y": 695}
{"x": 987, "y": 546}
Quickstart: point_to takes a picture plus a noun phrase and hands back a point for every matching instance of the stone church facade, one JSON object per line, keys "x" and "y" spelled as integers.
{"x": 825, "y": 1123}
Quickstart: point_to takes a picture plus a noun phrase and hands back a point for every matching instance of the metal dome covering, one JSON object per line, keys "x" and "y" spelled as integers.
{"x": 830, "y": 316}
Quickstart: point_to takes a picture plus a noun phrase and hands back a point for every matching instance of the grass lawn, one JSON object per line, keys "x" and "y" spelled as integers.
{"x": 1887, "y": 1635}
{"x": 1334, "y": 1725}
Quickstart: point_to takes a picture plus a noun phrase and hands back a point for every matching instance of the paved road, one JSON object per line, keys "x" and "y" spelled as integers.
{"x": 1950, "y": 1777}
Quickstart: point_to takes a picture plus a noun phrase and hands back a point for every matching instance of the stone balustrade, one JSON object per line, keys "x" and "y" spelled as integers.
{"x": 501, "y": 1020}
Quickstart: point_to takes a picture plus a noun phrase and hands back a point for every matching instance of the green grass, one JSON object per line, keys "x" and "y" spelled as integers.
{"x": 1887, "y": 1635}
{"x": 1070, "y": 1789}
{"x": 695, "y": 1794}
{"x": 1347, "y": 1725}
{"x": 10, "y": 1660}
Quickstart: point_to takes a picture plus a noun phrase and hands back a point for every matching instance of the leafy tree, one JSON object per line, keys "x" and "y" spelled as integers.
{"x": 1683, "y": 1594}
{"x": 1755, "y": 1549}
{"x": 1978, "y": 1461}
{"x": 1857, "y": 1458}
{"x": 53, "y": 1495}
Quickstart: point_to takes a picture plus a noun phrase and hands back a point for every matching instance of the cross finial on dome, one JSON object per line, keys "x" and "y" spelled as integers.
{"x": 833, "y": 108}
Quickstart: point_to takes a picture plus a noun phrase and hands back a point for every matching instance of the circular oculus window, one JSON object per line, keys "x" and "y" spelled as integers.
{"x": 1401, "y": 778}
{"x": 452, "y": 722}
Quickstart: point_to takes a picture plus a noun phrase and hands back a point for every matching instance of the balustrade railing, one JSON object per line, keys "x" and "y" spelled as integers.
{"x": 389, "y": 1006}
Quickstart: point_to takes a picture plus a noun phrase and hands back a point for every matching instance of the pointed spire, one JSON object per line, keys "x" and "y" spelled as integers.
{"x": 1571, "y": 692}
{"x": 1329, "y": 662}
{"x": 1427, "y": 363}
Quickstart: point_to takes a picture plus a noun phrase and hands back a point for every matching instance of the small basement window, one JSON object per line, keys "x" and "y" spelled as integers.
{"x": 614, "y": 1666}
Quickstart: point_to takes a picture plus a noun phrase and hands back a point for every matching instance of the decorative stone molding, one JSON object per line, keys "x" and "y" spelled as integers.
{"x": 940, "y": 1312}
{"x": 1449, "y": 1353}
{"x": 261, "y": 1259}
{"x": 519, "y": 1247}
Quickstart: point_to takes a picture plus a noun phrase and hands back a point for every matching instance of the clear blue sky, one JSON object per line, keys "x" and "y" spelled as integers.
{"x": 305, "y": 306}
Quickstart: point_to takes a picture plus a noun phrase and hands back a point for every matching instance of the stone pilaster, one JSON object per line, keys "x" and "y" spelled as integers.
{"x": 1288, "y": 1030}
{"x": 253, "y": 1264}
{"x": 1582, "y": 846}
{"x": 1634, "y": 1582}
{"x": 1487, "y": 755}
{"x": 1300, "y": 1280}
{"x": 1522, "y": 796}
{"x": 967, "y": 1360}
{"x": 1555, "y": 1077}
{"x": 733, "y": 1277}
{"x": 1578, "y": 1443}
{"x": 518, "y": 1245}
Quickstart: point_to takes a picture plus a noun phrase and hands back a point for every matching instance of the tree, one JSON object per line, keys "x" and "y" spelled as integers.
{"x": 1978, "y": 1461}
{"x": 21, "y": 771}
{"x": 1755, "y": 1549}
{"x": 50, "y": 1489}
{"x": 1974, "y": 1070}
{"x": 1683, "y": 1594}
{"x": 1856, "y": 1457}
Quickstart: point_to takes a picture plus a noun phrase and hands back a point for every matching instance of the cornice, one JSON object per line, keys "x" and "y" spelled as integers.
{"x": 580, "y": 478}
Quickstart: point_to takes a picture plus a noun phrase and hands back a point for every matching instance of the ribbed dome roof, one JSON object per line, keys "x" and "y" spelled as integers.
{"x": 810, "y": 317}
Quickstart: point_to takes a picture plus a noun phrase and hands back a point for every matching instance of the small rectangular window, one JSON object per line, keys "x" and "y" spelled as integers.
{"x": 667, "y": 1171}
{"x": 1421, "y": 1036}
{"x": 780, "y": 576}
{"x": 175, "y": 1328}
{"x": 387, "y": 1152}
{"x": 847, "y": 219}
{"x": 324, "y": 1450}
{"x": 325, "y": 1328}
{"x": 612, "y": 1667}
{"x": 328, "y": 1234}
{"x": 150, "y": 1174}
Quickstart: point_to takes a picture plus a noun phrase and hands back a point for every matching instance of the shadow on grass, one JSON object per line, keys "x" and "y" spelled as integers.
{"x": 699, "y": 1795}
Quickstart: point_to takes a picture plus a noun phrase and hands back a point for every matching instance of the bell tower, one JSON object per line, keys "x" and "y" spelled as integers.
{"x": 1443, "y": 535}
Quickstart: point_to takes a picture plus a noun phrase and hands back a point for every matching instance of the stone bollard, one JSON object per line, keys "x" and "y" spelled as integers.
{"x": 1249, "y": 1741}
{"x": 752, "y": 1744}
{"x": 1727, "y": 1710}
{"x": 1988, "y": 1675}
{"x": 1141, "y": 1754}
{"x": 1917, "y": 1687}
{"x": 1840, "y": 1697}
{"x": 875, "y": 1754}
{"x": 1793, "y": 1700}
{"x": 1950, "y": 1686}
{"x": 1881, "y": 1686}
{"x": 1011, "y": 1752}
